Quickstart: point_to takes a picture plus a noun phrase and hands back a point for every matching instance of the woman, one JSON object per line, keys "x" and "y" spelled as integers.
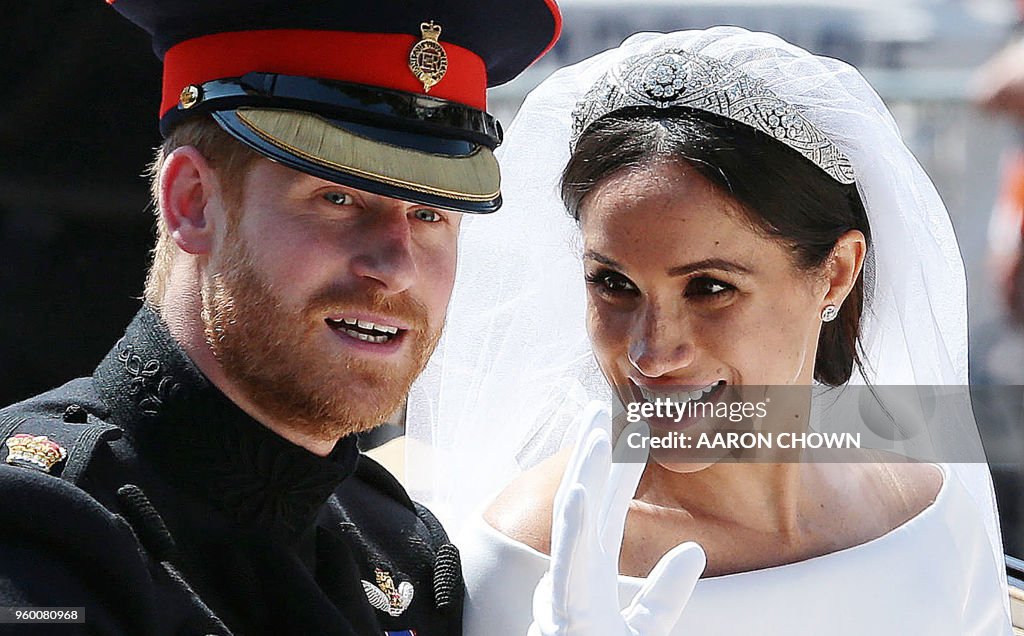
{"x": 750, "y": 221}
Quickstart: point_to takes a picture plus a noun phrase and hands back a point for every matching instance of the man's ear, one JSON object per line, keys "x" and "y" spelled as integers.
{"x": 190, "y": 200}
{"x": 844, "y": 266}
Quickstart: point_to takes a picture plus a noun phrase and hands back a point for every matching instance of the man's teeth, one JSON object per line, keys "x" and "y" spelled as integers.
{"x": 365, "y": 336}
{"x": 378, "y": 332}
{"x": 366, "y": 324}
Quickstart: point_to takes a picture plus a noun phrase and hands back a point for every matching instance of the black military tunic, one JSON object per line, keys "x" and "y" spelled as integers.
{"x": 174, "y": 512}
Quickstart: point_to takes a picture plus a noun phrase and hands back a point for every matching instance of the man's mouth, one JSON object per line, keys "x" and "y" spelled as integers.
{"x": 365, "y": 330}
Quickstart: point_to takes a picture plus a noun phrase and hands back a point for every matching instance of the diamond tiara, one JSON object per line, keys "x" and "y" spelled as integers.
{"x": 680, "y": 78}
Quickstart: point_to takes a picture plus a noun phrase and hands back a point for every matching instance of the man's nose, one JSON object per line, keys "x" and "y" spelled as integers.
{"x": 661, "y": 343}
{"x": 385, "y": 252}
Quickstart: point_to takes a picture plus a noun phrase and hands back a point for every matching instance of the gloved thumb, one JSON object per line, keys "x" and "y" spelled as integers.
{"x": 656, "y": 608}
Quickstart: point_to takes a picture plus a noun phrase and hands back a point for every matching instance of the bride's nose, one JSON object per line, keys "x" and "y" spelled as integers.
{"x": 660, "y": 343}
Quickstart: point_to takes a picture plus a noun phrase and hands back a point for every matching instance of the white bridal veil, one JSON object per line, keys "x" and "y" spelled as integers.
{"x": 514, "y": 366}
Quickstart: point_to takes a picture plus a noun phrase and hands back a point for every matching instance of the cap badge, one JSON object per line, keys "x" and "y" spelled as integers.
{"x": 32, "y": 451}
{"x": 427, "y": 59}
{"x": 189, "y": 96}
{"x": 385, "y": 596}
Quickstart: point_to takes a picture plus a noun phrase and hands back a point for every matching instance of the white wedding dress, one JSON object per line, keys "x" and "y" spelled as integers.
{"x": 871, "y": 589}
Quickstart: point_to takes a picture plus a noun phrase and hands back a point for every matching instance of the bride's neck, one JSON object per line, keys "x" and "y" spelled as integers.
{"x": 756, "y": 496}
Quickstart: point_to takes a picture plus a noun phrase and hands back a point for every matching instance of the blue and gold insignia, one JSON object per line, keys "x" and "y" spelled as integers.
{"x": 385, "y": 596}
{"x": 34, "y": 451}
{"x": 428, "y": 60}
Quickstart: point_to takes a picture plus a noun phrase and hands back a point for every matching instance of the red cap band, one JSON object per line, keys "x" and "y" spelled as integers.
{"x": 373, "y": 59}
{"x": 556, "y": 14}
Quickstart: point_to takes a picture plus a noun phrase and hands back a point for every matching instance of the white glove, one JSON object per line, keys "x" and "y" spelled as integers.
{"x": 578, "y": 595}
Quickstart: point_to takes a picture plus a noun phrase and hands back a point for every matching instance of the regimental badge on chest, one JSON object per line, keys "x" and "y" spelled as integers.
{"x": 34, "y": 451}
{"x": 387, "y": 597}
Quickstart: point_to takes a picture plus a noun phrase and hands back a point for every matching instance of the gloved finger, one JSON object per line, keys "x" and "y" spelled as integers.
{"x": 590, "y": 562}
{"x": 544, "y": 624}
{"x": 588, "y": 466}
{"x": 596, "y": 416}
{"x": 594, "y": 471}
{"x": 585, "y": 423}
{"x": 622, "y": 484}
{"x": 656, "y": 608}
{"x": 569, "y": 522}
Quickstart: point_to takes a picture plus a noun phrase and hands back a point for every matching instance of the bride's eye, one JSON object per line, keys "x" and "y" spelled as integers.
{"x": 339, "y": 198}
{"x": 611, "y": 283}
{"x": 708, "y": 288}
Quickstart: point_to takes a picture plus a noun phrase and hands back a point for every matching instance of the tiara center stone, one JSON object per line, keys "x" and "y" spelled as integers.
{"x": 665, "y": 79}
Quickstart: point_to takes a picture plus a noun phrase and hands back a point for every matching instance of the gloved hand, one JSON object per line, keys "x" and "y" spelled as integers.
{"x": 578, "y": 596}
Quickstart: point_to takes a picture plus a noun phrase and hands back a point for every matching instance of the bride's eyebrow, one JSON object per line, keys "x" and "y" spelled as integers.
{"x": 679, "y": 270}
{"x": 709, "y": 263}
{"x": 601, "y": 258}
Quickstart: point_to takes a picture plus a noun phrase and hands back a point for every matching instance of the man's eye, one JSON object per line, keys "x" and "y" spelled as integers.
{"x": 339, "y": 198}
{"x": 430, "y": 216}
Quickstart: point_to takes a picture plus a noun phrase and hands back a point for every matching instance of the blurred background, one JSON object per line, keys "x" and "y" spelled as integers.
{"x": 78, "y": 112}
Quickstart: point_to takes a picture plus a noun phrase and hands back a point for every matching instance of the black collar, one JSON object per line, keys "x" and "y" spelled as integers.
{"x": 178, "y": 420}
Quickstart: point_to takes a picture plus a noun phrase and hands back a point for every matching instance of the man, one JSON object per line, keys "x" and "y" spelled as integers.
{"x": 205, "y": 479}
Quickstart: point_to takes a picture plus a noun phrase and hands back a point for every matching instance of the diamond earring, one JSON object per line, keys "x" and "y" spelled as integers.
{"x": 829, "y": 313}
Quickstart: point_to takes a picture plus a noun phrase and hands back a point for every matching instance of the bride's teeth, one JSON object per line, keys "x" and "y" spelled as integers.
{"x": 387, "y": 329}
{"x": 365, "y": 324}
{"x": 349, "y": 321}
{"x": 681, "y": 397}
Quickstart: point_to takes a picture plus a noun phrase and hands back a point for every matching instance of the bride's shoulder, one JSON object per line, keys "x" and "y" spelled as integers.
{"x": 523, "y": 509}
{"x": 905, "y": 488}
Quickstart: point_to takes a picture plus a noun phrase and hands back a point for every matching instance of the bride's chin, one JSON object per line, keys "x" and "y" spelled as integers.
{"x": 682, "y": 468}
{"x": 688, "y": 460}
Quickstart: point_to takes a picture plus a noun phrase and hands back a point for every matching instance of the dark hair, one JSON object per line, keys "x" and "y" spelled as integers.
{"x": 784, "y": 195}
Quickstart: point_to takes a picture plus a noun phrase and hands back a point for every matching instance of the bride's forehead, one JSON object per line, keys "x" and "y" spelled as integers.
{"x": 657, "y": 200}
{"x": 651, "y": 180}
